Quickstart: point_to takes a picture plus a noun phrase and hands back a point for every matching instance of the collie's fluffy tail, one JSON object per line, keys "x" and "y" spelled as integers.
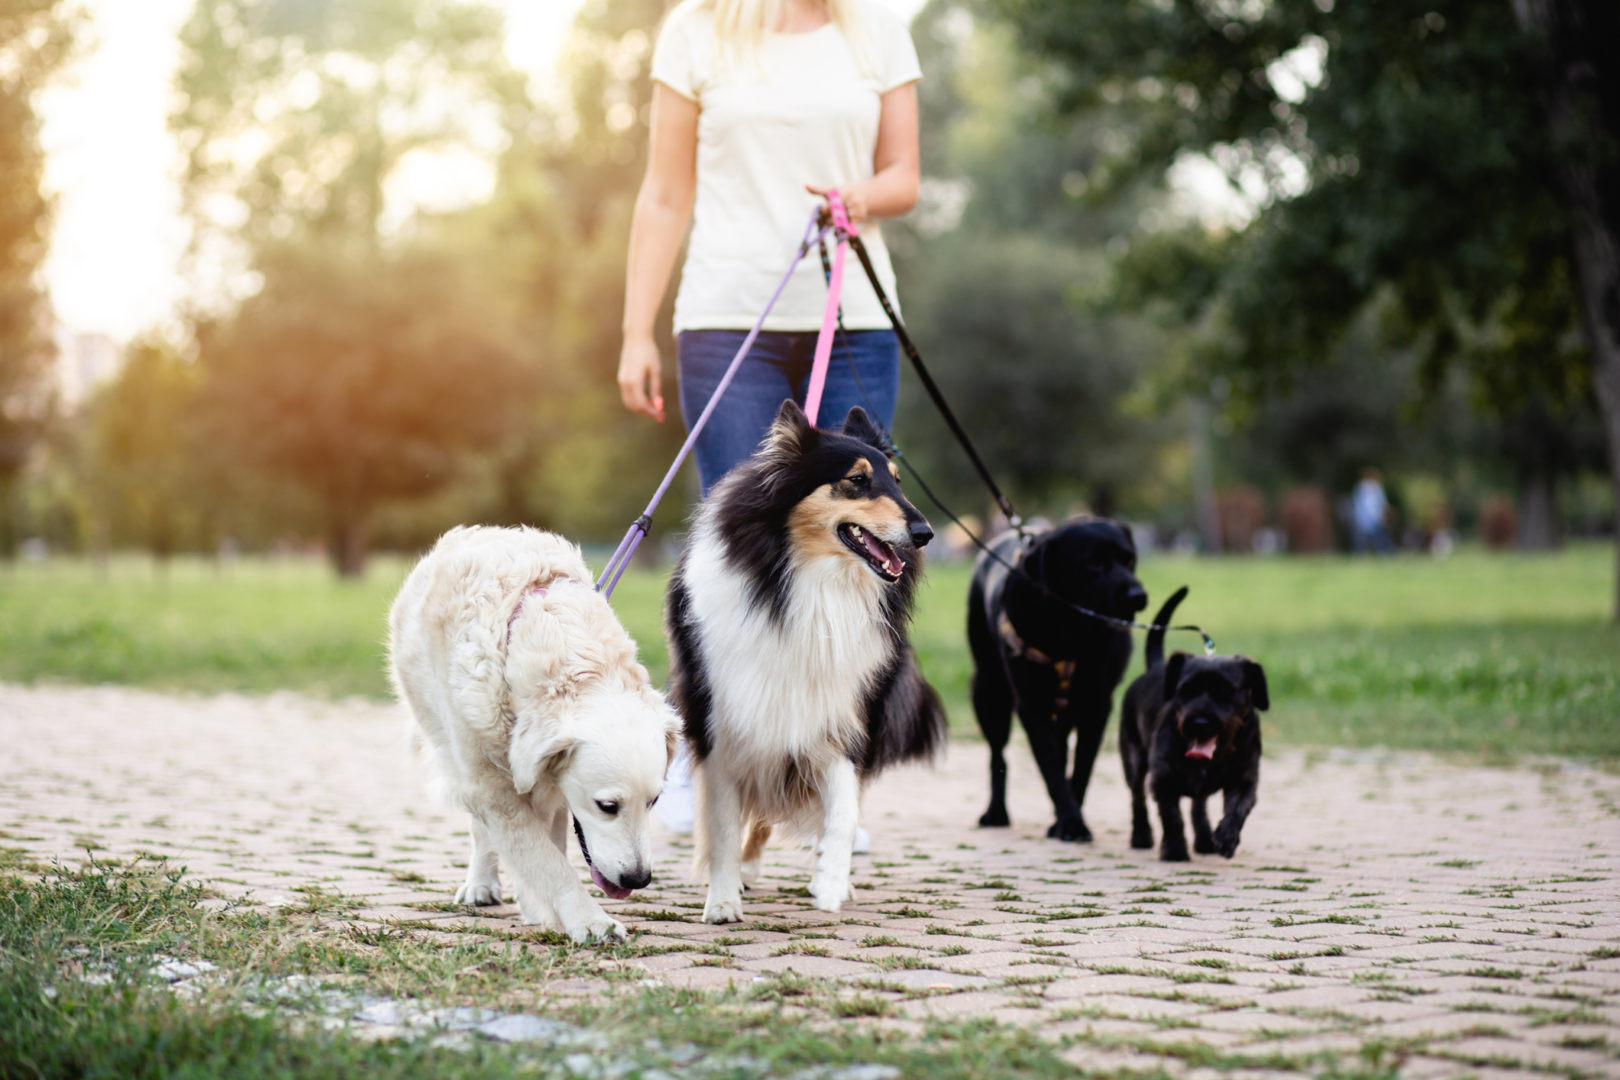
{"x": 1153, "y": 651}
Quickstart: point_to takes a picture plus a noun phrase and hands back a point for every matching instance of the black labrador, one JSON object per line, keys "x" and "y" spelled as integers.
{"x": 1034, "y": 652}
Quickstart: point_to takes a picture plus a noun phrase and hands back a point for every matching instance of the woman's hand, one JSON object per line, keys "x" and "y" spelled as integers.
{"x": 891, "y": 190}
{"x": 854, "y": 196}
{"x": 641, "y": 377}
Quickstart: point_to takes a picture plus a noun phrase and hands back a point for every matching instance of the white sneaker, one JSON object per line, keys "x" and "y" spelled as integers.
{"x": 862, "y": 844}
{"x": 677, "y": 806}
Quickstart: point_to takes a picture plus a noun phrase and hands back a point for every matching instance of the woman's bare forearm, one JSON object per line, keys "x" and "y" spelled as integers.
{"x": 893, "y": 191}
{"x": 656, "y": 229}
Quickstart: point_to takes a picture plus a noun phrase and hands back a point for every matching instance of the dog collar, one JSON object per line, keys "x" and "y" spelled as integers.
{"x": 1017, "y": 647}
{"x": 538, "y": 590}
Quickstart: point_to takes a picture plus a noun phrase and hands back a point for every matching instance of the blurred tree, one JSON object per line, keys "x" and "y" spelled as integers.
{"x": 997, "y": 271}
{"x": 298, "y": 118}
{"x": 1434, "y": 152}
{"x": 360, "y": 363}
{"x": 35, "y": 39}
{"x": 559, "y": 219}
{"x": 146, "y": 464}
{"x": 362, "y": 387}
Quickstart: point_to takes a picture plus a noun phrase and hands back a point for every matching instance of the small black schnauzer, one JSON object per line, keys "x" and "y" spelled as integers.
{"x": 1187, "y": 731}
{"x": 1058, "y": 667}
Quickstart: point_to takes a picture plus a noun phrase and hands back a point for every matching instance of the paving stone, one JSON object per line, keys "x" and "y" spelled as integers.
{"x": 929, "y": 979}
{"x": 1255, "y": 1022}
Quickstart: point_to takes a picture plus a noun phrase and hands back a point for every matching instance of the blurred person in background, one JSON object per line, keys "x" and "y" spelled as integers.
{"x": 1369, "y": 514}
{"x": 759, "y": 108}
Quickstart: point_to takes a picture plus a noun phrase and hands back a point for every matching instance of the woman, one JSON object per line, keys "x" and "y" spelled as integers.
{"x": 760, "y": 107}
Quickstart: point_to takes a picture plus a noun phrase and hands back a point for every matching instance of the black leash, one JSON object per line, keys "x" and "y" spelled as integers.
{"x": 1013, "y": 518}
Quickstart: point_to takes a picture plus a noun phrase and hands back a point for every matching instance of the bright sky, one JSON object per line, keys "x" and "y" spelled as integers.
{"x": 111, "y": 165}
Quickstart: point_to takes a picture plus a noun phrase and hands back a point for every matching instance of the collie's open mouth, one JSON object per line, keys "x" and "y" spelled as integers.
{"x": 879, "y": 555}
{"x": 615, "y": 892}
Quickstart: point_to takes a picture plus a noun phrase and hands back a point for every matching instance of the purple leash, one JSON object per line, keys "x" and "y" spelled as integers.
{"x": 638, "y": 529}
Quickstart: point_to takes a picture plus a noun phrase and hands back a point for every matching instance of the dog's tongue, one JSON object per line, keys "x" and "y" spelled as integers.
{"x": 615, "y": 892}
{"x": 882, "y": 553}
{"x": 1203, "y": 749}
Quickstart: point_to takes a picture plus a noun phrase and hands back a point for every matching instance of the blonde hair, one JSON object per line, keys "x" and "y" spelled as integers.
{"x": 740, "y": 26}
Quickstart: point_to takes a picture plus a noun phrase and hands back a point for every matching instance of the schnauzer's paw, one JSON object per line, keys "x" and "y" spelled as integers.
{"x": 1142, "y": 839}
{"x": 1226, "y": 841}
{"x": 995, "y": 818}
{"x": 723, "y": 910}
{"x": 1203, "y": 844}
{"x": 479, "y": 892}
{"x": 1069, "y": 830}
{"x": 1178, "y": 853}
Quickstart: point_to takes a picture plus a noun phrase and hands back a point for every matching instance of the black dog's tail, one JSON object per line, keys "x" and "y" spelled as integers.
{"x": 1153, "y": 651}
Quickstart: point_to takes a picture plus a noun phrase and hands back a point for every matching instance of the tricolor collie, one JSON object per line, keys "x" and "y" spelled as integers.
{"x": 788, "y": 654}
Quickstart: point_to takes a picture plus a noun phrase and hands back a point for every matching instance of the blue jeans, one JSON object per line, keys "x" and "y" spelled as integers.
{"x": 864, "y": 371}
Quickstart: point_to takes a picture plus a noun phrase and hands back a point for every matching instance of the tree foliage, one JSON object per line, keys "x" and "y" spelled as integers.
{"x": 362, "y": 387}
{"x": 35, "y": 39}
{"x": 147, "y": 466}
{"x": 999, "y": 301}
{"x": 1397, "y": 157}
{"x": 365, "y": 361}
{"x": 1415, "y": 168}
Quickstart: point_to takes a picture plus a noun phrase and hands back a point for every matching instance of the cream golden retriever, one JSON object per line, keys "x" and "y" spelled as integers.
{"x": 528, "y": 692}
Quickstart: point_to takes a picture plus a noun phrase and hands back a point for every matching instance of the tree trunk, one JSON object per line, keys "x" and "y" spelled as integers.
{"x": 1203, "y": 476}
{"x": 1582, "y": 96}
{"x": 1539, "y": 527}
{"x": 346, "y": 544}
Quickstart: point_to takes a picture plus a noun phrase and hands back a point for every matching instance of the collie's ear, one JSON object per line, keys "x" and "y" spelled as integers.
{"x": 1254, "y": 677}
{"x": 790, "y": 430}
{"x": 1172, "y": 673}
{"x": 858, "y": 425}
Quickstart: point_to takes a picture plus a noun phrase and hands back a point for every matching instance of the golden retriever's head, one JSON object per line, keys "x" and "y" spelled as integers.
{"x": 607, "y": 756}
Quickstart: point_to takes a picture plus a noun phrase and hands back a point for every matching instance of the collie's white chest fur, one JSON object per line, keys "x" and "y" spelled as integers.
{"x": 794, "y": 686}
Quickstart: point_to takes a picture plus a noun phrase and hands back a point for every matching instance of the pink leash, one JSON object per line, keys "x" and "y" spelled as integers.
{"x": 829, "y": 316}
{"x": 813, "y": 233}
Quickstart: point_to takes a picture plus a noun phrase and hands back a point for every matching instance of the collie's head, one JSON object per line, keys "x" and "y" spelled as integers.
{"x": 810, "y": 495}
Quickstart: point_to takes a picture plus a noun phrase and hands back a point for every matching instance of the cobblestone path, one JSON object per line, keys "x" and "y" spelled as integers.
{"x": 1464, "y": 919}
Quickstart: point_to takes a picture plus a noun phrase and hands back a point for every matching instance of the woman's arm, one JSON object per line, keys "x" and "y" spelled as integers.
{"x": 663, "y": 209}
{"x": 892, "y": 188}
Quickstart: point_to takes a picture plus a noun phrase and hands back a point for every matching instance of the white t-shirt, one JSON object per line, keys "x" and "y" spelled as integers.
{"x": 801, "y": 112}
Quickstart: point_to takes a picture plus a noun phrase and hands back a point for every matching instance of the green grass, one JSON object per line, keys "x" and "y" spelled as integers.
{"x": 111, "y": 921}
{"x": 1485, "y": 654}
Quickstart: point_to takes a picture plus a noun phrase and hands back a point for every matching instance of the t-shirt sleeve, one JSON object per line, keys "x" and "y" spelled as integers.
{"x": 675, "y": 57}
{"x": 896, "y": 55}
